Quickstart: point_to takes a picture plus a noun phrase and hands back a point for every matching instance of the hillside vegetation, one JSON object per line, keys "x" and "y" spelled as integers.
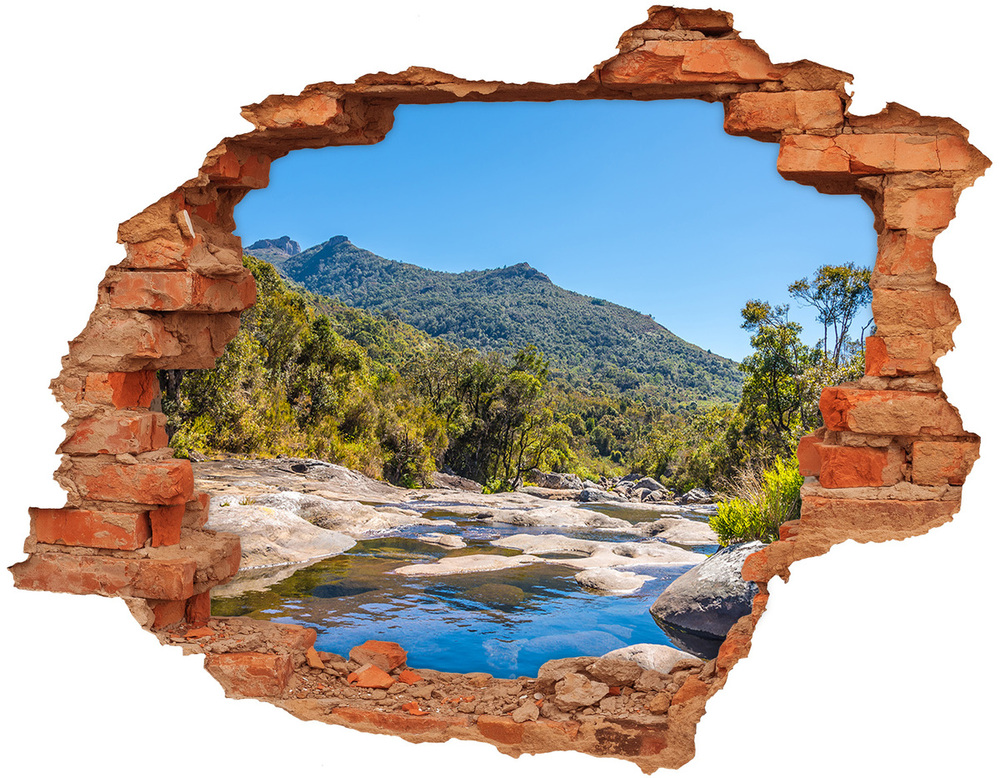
{"x": 591, "y": 344}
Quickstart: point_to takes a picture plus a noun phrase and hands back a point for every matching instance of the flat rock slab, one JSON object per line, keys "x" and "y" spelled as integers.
{"x": 273, "y": 536}
{"x": 605, "y": 579}
{"x": 652, "y": 656}
{"x": 473, "y": 563}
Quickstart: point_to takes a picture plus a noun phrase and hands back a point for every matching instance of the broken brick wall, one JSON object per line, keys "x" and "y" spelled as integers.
{"x": 931, "y": 457}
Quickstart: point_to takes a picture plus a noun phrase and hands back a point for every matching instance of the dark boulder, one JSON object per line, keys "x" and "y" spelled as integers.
{"x": 710, "y": 597}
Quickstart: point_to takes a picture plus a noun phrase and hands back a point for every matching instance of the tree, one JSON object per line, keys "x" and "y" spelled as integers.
{"x": 774, "y": 399}
{"x": 837, "y": 292}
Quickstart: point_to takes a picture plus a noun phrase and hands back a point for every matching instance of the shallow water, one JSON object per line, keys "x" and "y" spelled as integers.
{"x": 506, "y": 622}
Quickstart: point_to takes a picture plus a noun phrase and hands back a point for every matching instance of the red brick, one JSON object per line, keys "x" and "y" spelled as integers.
{"x": 157, "y": 254}
{"x": 692, "y": 688}
{"x": 93, "y": 529}
{"x": 919, "y": 209}
{"x": 788, "y": 530}
{"x": 707, "y": 20}
{"x": 844, "y": 467}
{"x": 251, "y": 674}
{"x": 151, "y": 579}
{"x": 196, "y": 511}
{"x": 409, "y": 677}
{"x": 811, "y": 155}
{"x": 225, "y": 169}
{"x": 385, "y": 655}
{"x": 892, "y": 356}
{"x": 916, "y": 309}
{"x": 199, "y": 609}
{"x": 413, "y": 708}
{"x": 223, "y": 295}
{"x": 166, "y": 525}
{"x": 901, "y": 253}
{"x": 886, "y": 412}
{"x": 397, "y": 723}
{"x": 166, "y": 613}
{"x": 500, "y": 729}
{"x": 167, "y": 482}
{"x": 765, "y": 115}
{"x": 886, "y": 153}
{"x": 941, "y": 462}
{"x": 255, "y": 171}
{"x": 120, "y": 433}
{"x": 808, "y": 456}
{"x": 119, "y": 340}
{"x": 369, "y": 676}
{"x": 122, "y": 390}
{"x": 151, "y": 290}
{"x": 690, "y": 62}
{"x": 294, "y": 638}
{"x": 954, "y": 152}
{"x": 873, "y": 520}
{"x": 735, "y": 647}
{"x": 313, "y": 659}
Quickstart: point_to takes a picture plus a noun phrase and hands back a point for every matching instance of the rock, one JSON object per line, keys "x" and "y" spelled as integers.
{"x": 348, "y": 516}
{"x": 496, "y": 594}
{"x": 559, "y": 516}
{"x": 556, "y": 480}
{"x": 599, "y": 553}
{"x": 440, "y": 539}
{"x": 710, "y": 597}
{"x": 409, "y": 677}
{"x": 556, "y": 669}
{"x": 452, "y": 481}
{"x": 642, "y": 494}
{"x": 383, "y": 654}
{"x": 473, "y": 563}
{"x": 659, "y": 703}
{"x": 273, "y": 536}
{"x": 576, "y": 691}
{"x": 614, "y": 671}
{"x": 370, "y": 677}
{"x": 652, "y": 681}
{"x": 649, "y": 483}
{"x": 527, "y": 712}
{"x": 652, "y": 656}
{"x": 686, "y": 532}
{"x": 593, "y": 494}
{"x": 605, "y": 579}
{"x": 698, "y": 496}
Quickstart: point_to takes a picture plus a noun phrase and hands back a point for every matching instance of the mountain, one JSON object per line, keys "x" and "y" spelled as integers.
{"x": 275, "y": 250}
{"x": 589, "y": 341}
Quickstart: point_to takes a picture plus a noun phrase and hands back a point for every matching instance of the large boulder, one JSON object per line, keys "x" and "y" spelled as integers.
{"x": 710, "y": 597}
{"x": 591, "y": 494}
{"x": 649, "y": 483}
{"x": 652, "y": 656}
{"x": 556, "y": 480}
{"x": 697, "y": 496}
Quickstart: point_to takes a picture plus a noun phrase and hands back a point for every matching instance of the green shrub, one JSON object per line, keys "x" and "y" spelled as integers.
{"x": 763, "y": 501}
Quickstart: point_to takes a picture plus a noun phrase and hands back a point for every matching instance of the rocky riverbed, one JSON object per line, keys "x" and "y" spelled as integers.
{"x": 503, "y": 582}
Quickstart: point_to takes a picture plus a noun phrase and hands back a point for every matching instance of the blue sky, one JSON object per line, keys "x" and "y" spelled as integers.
{"x": 649, "y": 205}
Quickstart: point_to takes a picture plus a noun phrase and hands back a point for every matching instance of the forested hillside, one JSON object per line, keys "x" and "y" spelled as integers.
{"x": 591, "y": 344}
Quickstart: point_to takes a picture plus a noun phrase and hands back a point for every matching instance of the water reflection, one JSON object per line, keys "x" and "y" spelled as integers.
{"x": 506, "y": 622}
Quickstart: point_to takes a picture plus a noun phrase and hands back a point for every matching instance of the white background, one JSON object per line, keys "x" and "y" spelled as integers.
{"x": 874, "y": 659}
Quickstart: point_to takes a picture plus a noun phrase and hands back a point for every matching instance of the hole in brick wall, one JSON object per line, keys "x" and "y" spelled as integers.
{"x": 469, "y": 187}
{"x": 888, "y": 464}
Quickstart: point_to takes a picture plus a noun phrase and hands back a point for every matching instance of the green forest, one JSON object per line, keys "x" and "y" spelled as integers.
{"x": 308, "y": 375}
{"x": 589, "y": 343}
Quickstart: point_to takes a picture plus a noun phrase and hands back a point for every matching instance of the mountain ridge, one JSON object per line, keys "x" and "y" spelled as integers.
{"x": 588, "y": 340}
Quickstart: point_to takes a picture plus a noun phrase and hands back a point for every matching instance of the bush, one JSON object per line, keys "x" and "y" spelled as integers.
{"x": 763, "y": 501}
